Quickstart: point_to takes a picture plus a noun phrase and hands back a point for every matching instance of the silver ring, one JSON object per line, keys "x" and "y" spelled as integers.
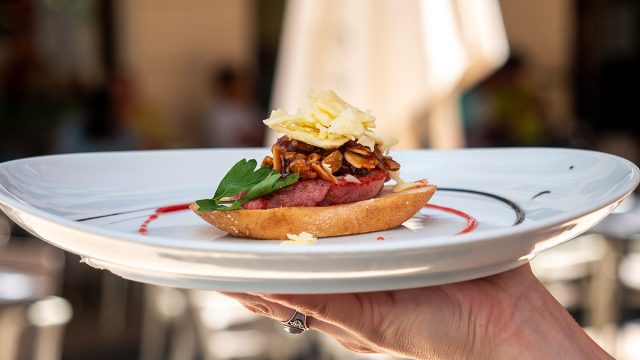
{"x": 297, "y": 324}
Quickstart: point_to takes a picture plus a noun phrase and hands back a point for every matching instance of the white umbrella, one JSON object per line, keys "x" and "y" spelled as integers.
{"x": 398, "y": 59}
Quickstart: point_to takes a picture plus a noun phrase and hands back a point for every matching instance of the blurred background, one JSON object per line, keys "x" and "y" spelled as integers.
{"x": 98, "y": 75}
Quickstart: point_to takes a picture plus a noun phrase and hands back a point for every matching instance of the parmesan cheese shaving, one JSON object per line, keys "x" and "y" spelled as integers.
{"x": 329, "y": 122}
{"x": 304, "y": 238}
{"x": 402, "y": 185}
{"x": 351, "y": 178}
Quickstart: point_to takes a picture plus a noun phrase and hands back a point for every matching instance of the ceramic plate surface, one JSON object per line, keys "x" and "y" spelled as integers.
{"x": 494, "y": 210}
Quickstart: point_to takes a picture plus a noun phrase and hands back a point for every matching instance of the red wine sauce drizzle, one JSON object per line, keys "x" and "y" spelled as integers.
{"x": 159, "y": 211}
{"x": 472, "y": 223}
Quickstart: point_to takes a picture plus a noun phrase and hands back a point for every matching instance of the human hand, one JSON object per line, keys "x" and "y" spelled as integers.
{"x": 507, "y": 315}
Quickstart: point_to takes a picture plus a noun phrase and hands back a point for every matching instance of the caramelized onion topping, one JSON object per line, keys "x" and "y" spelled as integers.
{"x": 311, "y": 162}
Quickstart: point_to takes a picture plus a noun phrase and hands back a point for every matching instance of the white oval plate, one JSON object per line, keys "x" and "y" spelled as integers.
{"x": 523, "y": 201}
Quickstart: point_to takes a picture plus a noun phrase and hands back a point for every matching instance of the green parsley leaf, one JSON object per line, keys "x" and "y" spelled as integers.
{"x": 206, "y": 204}
{"x": 244, "y": 183}
{"x": 240, "y": 178}
{"x": 211, "y": 204}
{"x": 269, "y": 185}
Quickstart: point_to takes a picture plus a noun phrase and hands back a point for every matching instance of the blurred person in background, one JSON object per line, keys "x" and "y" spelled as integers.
{"x": 99, "y": 125}
{"x": 113, "y": 117}
{"x": 504, "y": 110}
{"x": 141, "y": 120}
{"x": 233, "y": 118}
{"x": 33, "y": 100}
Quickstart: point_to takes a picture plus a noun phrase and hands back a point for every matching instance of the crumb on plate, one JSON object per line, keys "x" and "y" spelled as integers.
{"x": 304, "y": 238}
